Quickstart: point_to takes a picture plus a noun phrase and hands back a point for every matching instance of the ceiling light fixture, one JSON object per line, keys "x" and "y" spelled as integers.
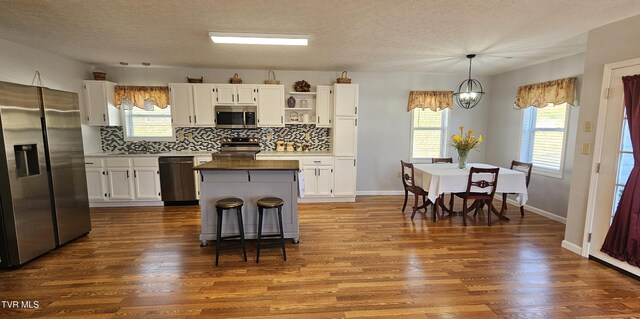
{"x": 255, "y": 38}
{"x": 469, "y": 92}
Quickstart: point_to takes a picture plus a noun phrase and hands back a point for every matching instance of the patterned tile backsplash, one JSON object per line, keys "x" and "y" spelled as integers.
{"x": 208, "y": 138}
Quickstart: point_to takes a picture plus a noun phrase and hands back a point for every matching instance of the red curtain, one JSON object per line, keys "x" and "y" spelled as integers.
{"x": 623, "y": 239}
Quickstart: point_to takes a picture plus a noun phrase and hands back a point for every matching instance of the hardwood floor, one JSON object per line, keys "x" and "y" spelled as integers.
{"x": 354, "y": 260}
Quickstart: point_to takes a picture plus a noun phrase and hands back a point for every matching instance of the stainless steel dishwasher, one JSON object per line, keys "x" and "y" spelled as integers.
{"x": 177, "y": 181}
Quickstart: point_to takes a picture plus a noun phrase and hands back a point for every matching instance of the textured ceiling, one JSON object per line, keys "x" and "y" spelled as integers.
{"x": 356, "y": 35}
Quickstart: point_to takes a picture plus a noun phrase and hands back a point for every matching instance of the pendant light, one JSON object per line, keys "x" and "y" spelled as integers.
{"x": 469, "y": 92}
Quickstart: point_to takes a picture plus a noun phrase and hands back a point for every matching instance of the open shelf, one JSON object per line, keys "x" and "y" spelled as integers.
{"x": 298, "y": 109}
{"x": 303, "y": 93}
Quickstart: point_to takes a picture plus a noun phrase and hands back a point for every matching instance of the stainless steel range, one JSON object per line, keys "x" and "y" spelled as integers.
{"x": 236, "y": 148}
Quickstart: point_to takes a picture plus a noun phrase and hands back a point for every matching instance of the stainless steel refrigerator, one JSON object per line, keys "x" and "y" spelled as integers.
{"x": 43, "y": 190}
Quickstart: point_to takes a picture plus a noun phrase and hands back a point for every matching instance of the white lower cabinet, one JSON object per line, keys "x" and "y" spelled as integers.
{"x": 344, "y": 183}
{"x": 318, "y": 181}
{"x": 97, "y": 187}
{"x": 120, "y": 183}
{"x": 122, "y": 179}
{"x": 147, "y": 183}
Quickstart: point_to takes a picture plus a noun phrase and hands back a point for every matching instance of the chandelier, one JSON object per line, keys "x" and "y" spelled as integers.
{"x": 469, "y": 92}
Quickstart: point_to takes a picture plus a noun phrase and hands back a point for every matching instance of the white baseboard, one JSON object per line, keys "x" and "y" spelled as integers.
{"x": 373, "y": 193}
{"x": 125, "y": 204}
{"x": 538, "y": 211}
{"x": 572, "y": 247}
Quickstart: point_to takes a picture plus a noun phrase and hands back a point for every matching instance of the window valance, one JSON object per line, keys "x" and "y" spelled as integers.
{"x": 433, "y": 100}
{"x": 142, "y": 96}
{"x": 546, "y": 93}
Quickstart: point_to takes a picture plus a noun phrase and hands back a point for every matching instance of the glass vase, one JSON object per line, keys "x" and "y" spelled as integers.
{"x": 462, "y": 160}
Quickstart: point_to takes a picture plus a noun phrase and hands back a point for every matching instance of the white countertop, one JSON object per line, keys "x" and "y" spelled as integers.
{"x": 172, "y": 153}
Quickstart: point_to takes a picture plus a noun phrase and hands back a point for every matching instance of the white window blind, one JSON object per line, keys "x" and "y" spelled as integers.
{"x": 543, "y": 137}
{"x": 148, "y": 125}
{"x": 428, "y": 137}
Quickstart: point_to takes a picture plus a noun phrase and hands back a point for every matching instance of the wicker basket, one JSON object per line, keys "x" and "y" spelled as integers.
{"x": 99, "y": 75}
{"x": 343, "y": 78}
{"x": 235, "y": 79}
{"x": 195, "y": 80}
{"x": 269, "y": 80}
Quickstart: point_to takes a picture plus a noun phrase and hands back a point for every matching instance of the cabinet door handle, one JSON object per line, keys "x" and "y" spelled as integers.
{"x": 105, "y": 195}
{"x": 135, "y": 174}
{"x": 318, "y": 122}
{"x": 104, "y": 117}
{"x": 90, "y": 163}
{"x": 232, "y": 98}
{"x": 189, "y": 118}
{"x": 281, "y": 118}
{"x": 195, "y": 119}
{"x": 238, "y": 97}
{"x": 127, "y": 173}
{"x": 354, "y": 162}
{"x": 317, "y": 161}
{"x": 356, "y": 110}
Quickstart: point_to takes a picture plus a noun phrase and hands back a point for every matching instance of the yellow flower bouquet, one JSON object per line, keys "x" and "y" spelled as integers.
{"x": 463, "y": 143}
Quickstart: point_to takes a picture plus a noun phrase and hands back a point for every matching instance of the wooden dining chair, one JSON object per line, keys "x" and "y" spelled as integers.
{"x": 485, "y": 196}
{"x": 408, "y": 181}
{"x": 525, "y": 168}
{"x": 441, "y": 160}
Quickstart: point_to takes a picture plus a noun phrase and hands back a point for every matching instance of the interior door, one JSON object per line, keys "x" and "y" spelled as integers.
{"x": 616, "y": 162}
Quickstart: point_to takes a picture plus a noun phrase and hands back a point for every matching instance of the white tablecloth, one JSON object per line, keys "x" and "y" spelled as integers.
{"x": 439, "y": 179}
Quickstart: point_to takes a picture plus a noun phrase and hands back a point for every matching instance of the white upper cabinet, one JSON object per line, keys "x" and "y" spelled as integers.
{"x": 346, "y": 99}
{"x": 192, "y": 104}
{"x": 181, "y": 96}
{"x": 204, "y": 97}
{"x": 270, "y": 105}
{"x": 99, "y": 103}
{"x": 345, "y": 138}
{"x": 324, "y": 106}
{"x": 236, "y": 94}
{"x": 246, "y": 94}
{"x": 226, "y": 94}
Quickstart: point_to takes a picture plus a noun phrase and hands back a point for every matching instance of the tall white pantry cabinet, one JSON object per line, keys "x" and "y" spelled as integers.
{"x": 345, "y": 139}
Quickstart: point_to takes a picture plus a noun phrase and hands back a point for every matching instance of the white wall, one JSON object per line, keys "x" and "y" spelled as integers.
{"x": 550, "y": 194}
{"x": 19, "y": 64}
{"x": 384, "y": 136}
{"x": 614, "y": 42}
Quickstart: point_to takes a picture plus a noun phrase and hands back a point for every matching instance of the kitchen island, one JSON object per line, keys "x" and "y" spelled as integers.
{"x": 248, "y": 180}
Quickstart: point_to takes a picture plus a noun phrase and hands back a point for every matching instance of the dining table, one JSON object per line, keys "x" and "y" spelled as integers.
{"x": 448, "y": 178}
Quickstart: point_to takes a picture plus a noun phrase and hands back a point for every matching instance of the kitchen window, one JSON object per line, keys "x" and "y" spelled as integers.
{"x": 544, "y": 132}
{"x": 140, "y": 124}
{"x": 428, "y": 134}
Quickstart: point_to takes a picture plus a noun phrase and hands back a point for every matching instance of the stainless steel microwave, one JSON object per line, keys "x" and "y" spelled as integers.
{"x": 236, "y": 116}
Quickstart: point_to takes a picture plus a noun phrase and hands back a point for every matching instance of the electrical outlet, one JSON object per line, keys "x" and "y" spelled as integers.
{"x": 587, "y": 126}
{"x": 181, "y": 136}
{"x": 586, "y": 148}
{"x": 307, "y": 136}
{"x": 190, "y": 136}
{"x": 269, "y": 136}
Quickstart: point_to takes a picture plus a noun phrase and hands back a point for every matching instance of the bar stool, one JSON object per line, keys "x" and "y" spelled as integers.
{"x": 223, "y": 205}
{"x": 270, "y": 203}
